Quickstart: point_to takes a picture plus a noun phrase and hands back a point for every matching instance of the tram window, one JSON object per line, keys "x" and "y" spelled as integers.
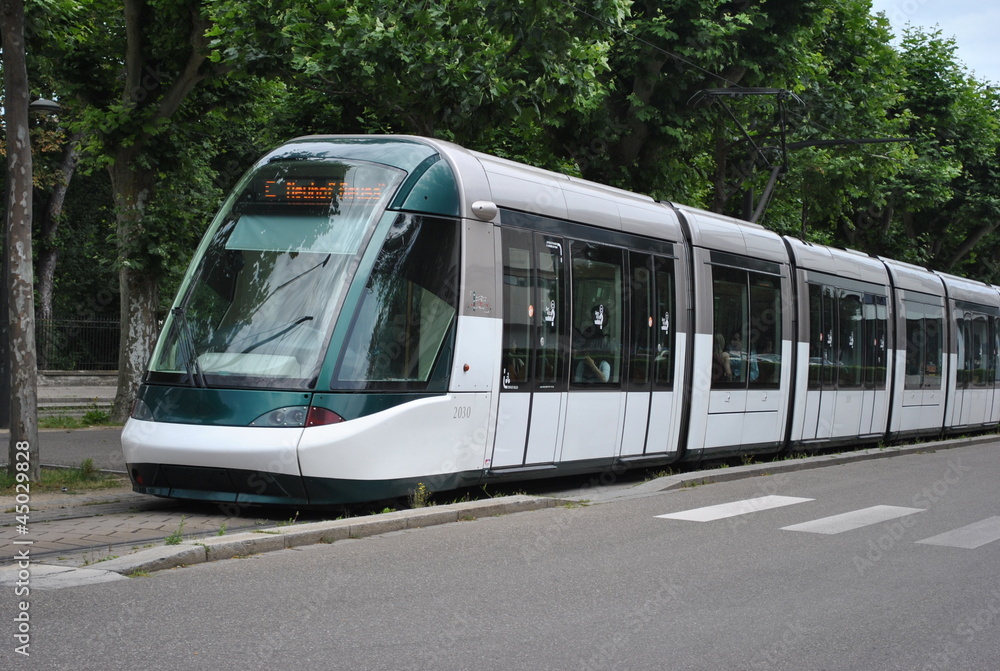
{"x": 983, "y": 352}
{"x": 827, "y": 341}
{"x": 641, "y": 321}
{"x": 663, "y": 323}
{"x": 747, "y": 323}
{"x": 849, "y": 359}
{"x": 923, "y": 346}
{"x": 764, "y": 345}
{"x": 651, "y": 310}
{"x": 995, "y": 361}
{"x": 730, "y": 302}
{"x": 875, "y": 331}
{"x": 402, "y": 333}
{"x": 816, "y": 337}
{"x": 934, "y": 349}
{"x": 974, "y": 366}
{"x": 598, "y": 319}
{"x": 550, "y": 313}
{"x": 962, "y": 363}
{"x": 517, "y": 307}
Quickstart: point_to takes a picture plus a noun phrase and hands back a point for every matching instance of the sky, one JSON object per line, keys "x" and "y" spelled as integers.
{"x": 973, "y": 24}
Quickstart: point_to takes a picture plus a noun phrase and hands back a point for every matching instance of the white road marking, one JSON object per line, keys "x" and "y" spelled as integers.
{"x": 853, "y": 520}
{"x": 968, "y": 537}
{"x": 724, "y": 510}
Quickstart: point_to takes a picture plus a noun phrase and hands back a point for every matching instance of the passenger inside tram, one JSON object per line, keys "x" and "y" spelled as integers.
{"x": 721, "y": 369}
{"x": 595, "y": 346}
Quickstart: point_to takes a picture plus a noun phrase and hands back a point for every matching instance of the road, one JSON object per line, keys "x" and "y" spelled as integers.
{"x": 69, "y": 447}
{"x": 886, "y": 564}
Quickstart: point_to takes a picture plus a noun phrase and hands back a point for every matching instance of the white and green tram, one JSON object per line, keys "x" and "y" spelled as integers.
{"x": 372, "y": 312}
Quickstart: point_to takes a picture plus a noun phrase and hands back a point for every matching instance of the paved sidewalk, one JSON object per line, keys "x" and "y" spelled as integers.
{"x": 73, "y": 394}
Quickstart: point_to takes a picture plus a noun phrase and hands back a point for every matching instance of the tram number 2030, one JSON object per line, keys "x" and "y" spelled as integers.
{"x": 462, "y": 412}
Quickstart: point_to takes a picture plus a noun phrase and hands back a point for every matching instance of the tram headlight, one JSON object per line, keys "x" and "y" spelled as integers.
{"x": 293, "y": 415}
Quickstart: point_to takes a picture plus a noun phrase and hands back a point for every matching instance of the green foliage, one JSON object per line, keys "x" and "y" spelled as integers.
{"x": 600, "y": 89}
{"x": 449, "y": 67}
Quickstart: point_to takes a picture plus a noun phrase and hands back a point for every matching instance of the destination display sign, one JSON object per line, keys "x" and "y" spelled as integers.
{"x": 316, "y": 191}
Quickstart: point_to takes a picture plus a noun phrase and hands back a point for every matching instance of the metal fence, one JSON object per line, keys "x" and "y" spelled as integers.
{"x": 77, "y": 344}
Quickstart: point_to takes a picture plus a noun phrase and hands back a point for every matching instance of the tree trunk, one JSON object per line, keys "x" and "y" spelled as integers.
{"x": 140, "y": 294}
{"x": 20, "y": 281}
{"x": 48, "y": 256}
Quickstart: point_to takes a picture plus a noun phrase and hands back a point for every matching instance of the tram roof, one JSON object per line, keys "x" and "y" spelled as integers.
{"x": 508, "y": 184}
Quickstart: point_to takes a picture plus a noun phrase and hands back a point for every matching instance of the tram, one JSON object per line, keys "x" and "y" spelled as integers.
{"x": 367, "y": 313}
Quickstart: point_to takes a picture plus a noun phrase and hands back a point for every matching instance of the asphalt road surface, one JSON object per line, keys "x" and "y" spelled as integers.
{"x": 886, "y": 564}
{"x": 69, "y": 447}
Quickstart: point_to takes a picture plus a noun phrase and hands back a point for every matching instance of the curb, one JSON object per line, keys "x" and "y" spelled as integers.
{"x": 279, "y": 538}
{"x": 282, "y": 537}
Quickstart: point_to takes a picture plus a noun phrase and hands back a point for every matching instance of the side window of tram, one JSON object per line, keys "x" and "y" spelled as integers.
{"x": 517, "y": 306}
{"x": 747, "y": 320}
{"x": 923, "y": 346}
{"x": 663, "y": 323}
{"x": 823, "y": 365}
{"x": 995, "y": 365}
{"x": 534, "y": 311}
{"x": 850, "y": 351}
{"x": 876, "y": 317}
{"x": 651, "y": 300}
{"x": 403, "y": 330}
{"x": 550, "y": 312}
{"x": 974, "y": 352}
{"x": 598, "y": 313}
{"x": 847, "y": 338}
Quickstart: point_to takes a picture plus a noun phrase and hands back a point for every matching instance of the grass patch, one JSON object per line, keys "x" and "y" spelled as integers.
{"x": 93, "y": 417}
{"x": 71, "y": 480}
{"x": 176, "y": 537}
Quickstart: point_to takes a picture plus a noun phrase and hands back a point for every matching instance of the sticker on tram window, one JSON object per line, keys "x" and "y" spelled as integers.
{"x": 550, "y": 314}
{"x": 599, "y": 317}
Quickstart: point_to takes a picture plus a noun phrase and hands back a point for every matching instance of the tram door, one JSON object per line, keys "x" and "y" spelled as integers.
{"x": 649, "y": 410}
{"x": 535, "y": 349}
{"x": 596, "y": 404}
{"x": 973, "y": 399}
{"x": 847, "y": 363}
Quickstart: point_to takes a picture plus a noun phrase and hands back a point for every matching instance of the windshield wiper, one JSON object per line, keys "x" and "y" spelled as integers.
{"x": 279, "y": 334}
{"x": 189, "y": 351}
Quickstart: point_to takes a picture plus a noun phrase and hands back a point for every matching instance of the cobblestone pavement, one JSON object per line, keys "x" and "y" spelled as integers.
{"x": 81, "y": 529}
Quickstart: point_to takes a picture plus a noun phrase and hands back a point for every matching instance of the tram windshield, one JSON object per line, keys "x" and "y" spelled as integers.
{"x": 257, "y": 307}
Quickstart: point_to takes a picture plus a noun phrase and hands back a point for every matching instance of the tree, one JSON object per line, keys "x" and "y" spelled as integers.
{"x": 458, "y": 69}
{"x": 19, "y": 279}
{"x": 851, "y": 88}
{"x": 135, "y": 81}
{"x": 948, "y": 202}
{"x": 645, "y": 135}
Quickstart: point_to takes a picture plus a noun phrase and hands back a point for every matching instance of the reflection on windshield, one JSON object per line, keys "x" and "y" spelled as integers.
{"x": 260, "y": 302}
